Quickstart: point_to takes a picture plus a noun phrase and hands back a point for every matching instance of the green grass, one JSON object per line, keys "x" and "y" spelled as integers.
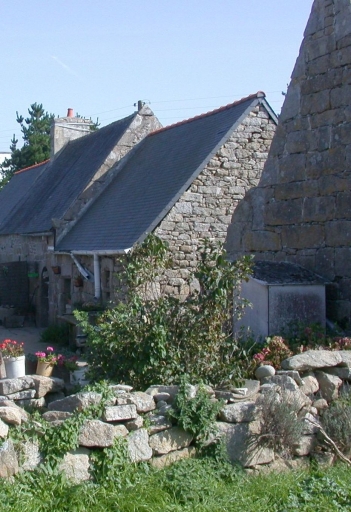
{"x": 191, "y": 485}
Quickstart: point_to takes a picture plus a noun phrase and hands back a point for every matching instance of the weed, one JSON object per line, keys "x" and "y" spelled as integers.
{"x": 196, "y": 415}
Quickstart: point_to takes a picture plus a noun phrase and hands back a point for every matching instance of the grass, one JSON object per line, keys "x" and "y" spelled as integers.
{"x": 190, "y": 485}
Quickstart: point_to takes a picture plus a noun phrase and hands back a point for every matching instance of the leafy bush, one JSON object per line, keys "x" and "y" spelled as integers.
{"x": 151, "y": 337}
{"x": 56, "y": 334}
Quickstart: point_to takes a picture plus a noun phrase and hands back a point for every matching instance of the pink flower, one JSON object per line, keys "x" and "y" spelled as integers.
{"x": 40, "y": 354}
{"x": 49, "y": 349}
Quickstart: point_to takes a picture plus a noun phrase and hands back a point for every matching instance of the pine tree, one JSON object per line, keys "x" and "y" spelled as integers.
{"x": 36, "y": 142}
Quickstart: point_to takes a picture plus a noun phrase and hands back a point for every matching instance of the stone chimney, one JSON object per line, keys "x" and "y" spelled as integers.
{"x": 65, "y": 129}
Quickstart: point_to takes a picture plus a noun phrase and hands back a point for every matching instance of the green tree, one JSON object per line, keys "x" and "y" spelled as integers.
{"x": 36, "y": 142}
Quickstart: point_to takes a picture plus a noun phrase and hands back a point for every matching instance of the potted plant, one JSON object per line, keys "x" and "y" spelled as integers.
{"x": 12, "y": 353}
{"x": 46, "y": 361}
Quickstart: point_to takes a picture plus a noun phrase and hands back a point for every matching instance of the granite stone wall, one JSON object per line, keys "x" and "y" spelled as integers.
{"x": 301, "y": 211}
{"x": 205, "y": 209}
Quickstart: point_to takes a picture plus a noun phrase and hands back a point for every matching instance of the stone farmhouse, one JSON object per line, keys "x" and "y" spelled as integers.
{"x": 64, "y": 221}
{"x": 301, "y": 210}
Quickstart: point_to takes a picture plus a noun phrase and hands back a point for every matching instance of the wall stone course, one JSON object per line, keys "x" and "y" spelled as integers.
{"x": 297, "y": 237}
{"x": 318, "y": 209}
{"x": 338, "y": 233}
{"x": 283, "y": 212}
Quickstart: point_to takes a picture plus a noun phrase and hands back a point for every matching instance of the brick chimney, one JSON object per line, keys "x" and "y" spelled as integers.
{"x": 65, "y": 129}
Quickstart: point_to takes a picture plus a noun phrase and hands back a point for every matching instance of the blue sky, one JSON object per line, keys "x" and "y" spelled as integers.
{"x": 185, "y": 57}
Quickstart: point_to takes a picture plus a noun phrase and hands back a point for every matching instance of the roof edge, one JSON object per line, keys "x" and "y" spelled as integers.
{"x": 259, "y": 94}
{"x": 32, "y": 166}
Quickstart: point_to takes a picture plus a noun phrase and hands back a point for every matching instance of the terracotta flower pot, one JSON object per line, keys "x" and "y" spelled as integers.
{"x": 44, "y": 369}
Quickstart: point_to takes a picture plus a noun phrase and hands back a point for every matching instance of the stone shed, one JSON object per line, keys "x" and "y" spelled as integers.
{"x": 282, "y": 295}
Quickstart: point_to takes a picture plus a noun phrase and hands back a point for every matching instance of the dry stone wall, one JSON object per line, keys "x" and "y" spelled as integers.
{"x": 300, "y": 211}
{"x": 205, "y": 209}
{"x": 310, "y": 380}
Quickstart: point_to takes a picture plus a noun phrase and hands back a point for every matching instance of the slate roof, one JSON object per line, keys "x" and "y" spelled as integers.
{"x": 162, "y": 167}
{"x": 16, "y": 189}
{"x": 63, "y": 180}
{"x": 284, "y": 273}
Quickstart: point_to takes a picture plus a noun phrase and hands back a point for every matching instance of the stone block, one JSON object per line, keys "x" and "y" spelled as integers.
{"x": 303, "y": 236}
{"x": 8, "y": 460}
{"x": 75, "y": 402}
{"x": 142, "y": 401}
{"x": 312, "y": 360}
{"x": 31, "y": 455}
{"x": 138, "y": 446}
{"x": 343, "y": 202}
{"x": 340, "y": 97}
{"x": 11, "y": 415}
{"x": 296, "y": 190}
{"x": 314, "y": 103}
{"x": 4, "y": 429}
{"x": 135, "y": 424}
{"x": 166, "y": 460}
{"x": 26, "y": 394}
{"x": 76, "y": 465}
{"x": 10, "y": 386}
{"x": 44, "y": 385}
{"x": 120, "y": 413}
{"x": 305, "y": 446}
{"x": 261, "y": 241}
{"x": 298, "y": 142}
{"x": 319, "y": 209}
{"x": 328, "y": 385}
{"x": 158, "y": 423}
{"x": 341, "y": 57}
{"x": 241, "y": 412}
{"x": 283, "y": 212}
{"x": 324, "y": 262}
{"x": 56, "y": 415}
{"x": 96, "y": 433}
{"x": 169, "y": 440}
{"x": 318, "y": 66}
{"x": 240, "y": 447}
{"x": 338, "y": 233}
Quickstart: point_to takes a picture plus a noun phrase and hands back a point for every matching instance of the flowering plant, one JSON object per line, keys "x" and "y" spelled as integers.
{"x": 11, "y": 348}
{"x": 49, "y": 356}
{"x": 275, "y": 351}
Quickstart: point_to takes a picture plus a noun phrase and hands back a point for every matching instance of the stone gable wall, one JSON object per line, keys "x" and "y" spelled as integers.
{"x": 300, "y": 212}
{"x": 205, "y": 209}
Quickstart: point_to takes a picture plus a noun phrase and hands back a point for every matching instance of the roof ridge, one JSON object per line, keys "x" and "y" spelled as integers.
{"x": 32, "y": 166}
{"x": 258, "y": 94}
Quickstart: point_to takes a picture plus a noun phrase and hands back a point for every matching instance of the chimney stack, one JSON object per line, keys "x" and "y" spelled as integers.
{"x": 65, "y": 129}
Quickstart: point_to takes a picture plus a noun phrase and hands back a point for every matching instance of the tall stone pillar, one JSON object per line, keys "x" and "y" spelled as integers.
{"x": 301, "y": 209}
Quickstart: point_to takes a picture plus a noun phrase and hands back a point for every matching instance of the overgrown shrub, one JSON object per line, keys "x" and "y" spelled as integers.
{"x": 151, "y": 337}
{"x": 281, "y": 428}
{"x": 336, "y": 421}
